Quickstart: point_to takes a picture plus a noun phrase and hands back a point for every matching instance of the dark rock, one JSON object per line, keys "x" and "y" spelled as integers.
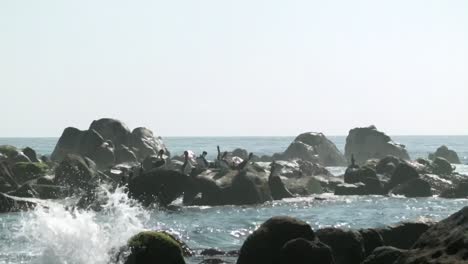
{"x": 384, "y": 255}
{"x": 25, "y": 191}
{"x": 387, "y": 165}
{"x": 31, "y": 154}
{"x": 302, "y": 251}
{"x": 315, "y": 147}
{"x": 444, "y": 242}
{"x": 154, "y": 247}
{"x": 247, "y": 188}
{"x": 14, "y": 204}
{"x": 158, "y": 186}
{"x": 372, "y": 240}
{"x": 124, "y": 154}
{"x": 403, "y": 235}
{"x": 113, "y": 130}
{"x": 441, "y": 166}
{"x": 25, "y": 171}
{"x": 75, "y": 172}
{"x": 404, "y": 172}
{"x": 212, "y": 252}
{"x": 48, "y": 191}
{"x": 106, "y": 142}
{"x": 413, "y": 188}
{"x": 20, "y": 158}
{"x": 6, "y": 176}
{"x": 446, "y": 153}
{"x": 355, "y": 175}
{"x": 367, "y": 143}
{"x": 146, "y": 143}
{"x": 457, "y": 192}
{"x": 347, "y": 245}
{"x": 264, "y": 245}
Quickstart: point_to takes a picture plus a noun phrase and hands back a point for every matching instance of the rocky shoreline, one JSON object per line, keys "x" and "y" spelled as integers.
{"x": 110, "y": 154}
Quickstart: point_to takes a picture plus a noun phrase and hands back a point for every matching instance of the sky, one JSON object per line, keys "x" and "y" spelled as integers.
{"x": 234, "y": 68}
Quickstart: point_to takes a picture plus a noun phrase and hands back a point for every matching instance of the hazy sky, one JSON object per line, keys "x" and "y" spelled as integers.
{"x": 241, "y": 67}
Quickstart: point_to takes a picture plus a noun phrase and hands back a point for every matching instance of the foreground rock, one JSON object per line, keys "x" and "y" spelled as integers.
{"x": 347, "y": 245}
{"x": 445, "y": 242}
{"x": 314, "y": 147}
{"x": 10, "y": 204}
{"x": 446, "y": 153}
{"x": 403, "y": 235}
{"x": 384, "y": 255}
{"x": 368, "y": 143}
{"x": 264, "y": 246}
{"x": 154, "y": 247}
{"x": 107, "y": 142}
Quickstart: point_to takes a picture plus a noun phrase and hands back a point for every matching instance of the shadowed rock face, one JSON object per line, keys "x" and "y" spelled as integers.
{"x": 264, "y": 245}
{"x": 108, "y": 141}
{"x": 347, "y": 245}
{"x": 445, "y": 242}
{"x": 315, "y": 147}
{"x": 368, "y": 143}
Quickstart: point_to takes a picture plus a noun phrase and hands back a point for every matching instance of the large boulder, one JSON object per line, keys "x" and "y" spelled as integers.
{"x": 403, "y": 173}
{"x": 31, "y": 154}
{"x": 347, "y": 245}
{"x": 315, "y": 147}
{"x": 158, "y": 186}
{"x": 303, "y": 251}
{"x": 371, "y": 239}
{"x": 456, "y": 192}
{"x": 369, "y": 143}
{"x": 106, "y": 142}
{"x": 403, "y": 235}
{"x": 441, "y": 166}
{"x": 248, "y": 188}
{"x": 75, "y": 172}
{"x": 113, "y": 130}
{"x": 264, "y": 245}
{"x": 146, "y": 143}
{"x": 445, "y": 242}
{"x": 154, "y": 247}
{"x": 413, "y": 188}
{"x": 446, "y": 153}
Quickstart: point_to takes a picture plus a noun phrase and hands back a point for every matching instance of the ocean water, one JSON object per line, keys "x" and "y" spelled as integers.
{"x": 54, "y": 234}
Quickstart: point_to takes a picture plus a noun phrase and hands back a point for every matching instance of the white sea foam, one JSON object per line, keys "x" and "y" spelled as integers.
{"x": 77, "y": 236}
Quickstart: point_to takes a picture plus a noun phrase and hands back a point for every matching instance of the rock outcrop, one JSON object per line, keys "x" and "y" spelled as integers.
{"x": 107, "y": 142}
{"x": 154, "y": 247}
{"x": 444, "y": 242}
{"x": 314, "y": 147}
{"x": 368, "y": 143}
{"x": 264, "y": 245}
{"x": 347, "y": 245}
{"x": 446, "y": 153}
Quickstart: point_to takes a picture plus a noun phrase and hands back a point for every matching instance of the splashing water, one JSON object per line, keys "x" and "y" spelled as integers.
{"x": 78, "y": 236}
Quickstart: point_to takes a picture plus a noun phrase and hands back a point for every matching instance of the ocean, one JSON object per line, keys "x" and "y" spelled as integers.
{"x": 53, "y": 234}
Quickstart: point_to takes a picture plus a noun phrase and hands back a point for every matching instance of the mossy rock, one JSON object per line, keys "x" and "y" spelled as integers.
{"x": 24, "y": 171}
{"x": 149, "y": 247}
{"x": 9, "y": 151}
